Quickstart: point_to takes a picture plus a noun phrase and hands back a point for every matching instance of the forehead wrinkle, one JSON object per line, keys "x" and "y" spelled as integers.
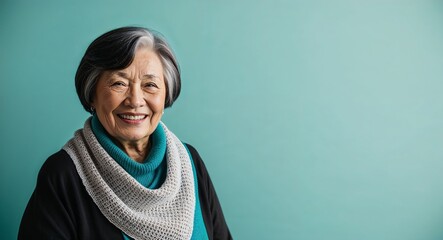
{"x": 122, "y": 75}
{"x": 150, "y": 76}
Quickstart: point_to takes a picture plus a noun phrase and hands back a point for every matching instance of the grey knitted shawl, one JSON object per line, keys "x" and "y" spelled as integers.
{"x": 142, "y": 213}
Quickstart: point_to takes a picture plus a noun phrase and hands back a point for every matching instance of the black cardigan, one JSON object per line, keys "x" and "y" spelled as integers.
{"x": 60, "y": 207}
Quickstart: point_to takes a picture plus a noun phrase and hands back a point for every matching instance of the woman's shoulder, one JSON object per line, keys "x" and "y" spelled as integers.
{"x": 200, "y": 167}
{"x": 59, "y": 161}
{"x": 198, "y": 161}
{"x": 191, "y": 149}
{"x": 58, "y": 166}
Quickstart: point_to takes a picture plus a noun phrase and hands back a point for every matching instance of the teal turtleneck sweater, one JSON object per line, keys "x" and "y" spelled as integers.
{"x": 152, "y": 172}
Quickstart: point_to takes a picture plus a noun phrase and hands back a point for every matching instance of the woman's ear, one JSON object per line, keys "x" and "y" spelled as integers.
{"x": 92, "y": 108}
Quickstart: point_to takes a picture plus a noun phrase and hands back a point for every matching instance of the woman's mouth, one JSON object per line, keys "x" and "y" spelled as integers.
{"x": 131, "y": 117}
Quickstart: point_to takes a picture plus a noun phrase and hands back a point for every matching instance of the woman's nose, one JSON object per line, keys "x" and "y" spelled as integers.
{"x": 135, "y": 98}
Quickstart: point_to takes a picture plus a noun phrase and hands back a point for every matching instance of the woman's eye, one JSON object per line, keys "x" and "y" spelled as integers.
{"x": 149, "y": 85}
{"x": 118, "y": 84}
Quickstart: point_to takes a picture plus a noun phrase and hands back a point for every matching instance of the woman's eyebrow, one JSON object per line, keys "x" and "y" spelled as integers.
{"x": 150, "y": 76}
{"x": 122, "y": 75}
{"x": 146, "y": 76}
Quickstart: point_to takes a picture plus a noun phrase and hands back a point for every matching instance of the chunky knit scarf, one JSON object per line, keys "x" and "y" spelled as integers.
{"x": 142, "y": 213}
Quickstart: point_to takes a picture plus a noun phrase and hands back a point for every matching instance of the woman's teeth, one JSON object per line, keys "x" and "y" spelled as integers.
{"x": 132, "y": 117}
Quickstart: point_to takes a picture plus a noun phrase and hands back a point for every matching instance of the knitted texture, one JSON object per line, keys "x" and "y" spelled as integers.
{"x": 141, "y": 213}
{"x": 152, "y": 172}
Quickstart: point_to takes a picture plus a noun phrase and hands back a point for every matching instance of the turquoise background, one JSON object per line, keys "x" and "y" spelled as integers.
{"x": 316, "y": 119}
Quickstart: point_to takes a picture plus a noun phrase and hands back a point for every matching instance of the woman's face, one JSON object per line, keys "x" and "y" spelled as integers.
{"x": 129, "y": 103}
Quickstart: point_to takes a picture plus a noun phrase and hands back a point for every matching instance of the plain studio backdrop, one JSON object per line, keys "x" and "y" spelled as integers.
{"x": 316, "y": 119}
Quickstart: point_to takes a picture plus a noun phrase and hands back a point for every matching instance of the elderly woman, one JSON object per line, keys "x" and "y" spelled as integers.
{"x": 125, "y": 175}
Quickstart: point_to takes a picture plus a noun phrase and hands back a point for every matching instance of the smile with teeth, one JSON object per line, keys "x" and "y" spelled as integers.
{"x": 132, "y": 117}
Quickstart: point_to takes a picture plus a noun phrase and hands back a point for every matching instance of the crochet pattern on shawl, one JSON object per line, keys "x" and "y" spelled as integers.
{"x": 142, "y": 213}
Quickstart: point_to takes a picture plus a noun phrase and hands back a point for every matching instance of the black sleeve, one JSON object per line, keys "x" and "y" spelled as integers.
{"x": 60, "y": 207}
{"x": 46, "y": 215}
{"x": 215, "y": 223}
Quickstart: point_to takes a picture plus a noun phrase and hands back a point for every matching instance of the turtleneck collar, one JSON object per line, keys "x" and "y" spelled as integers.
{"x": 152, "y": 171}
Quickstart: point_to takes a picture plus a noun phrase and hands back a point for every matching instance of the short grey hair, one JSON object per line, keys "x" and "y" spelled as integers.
{"x": 115, "y": 50}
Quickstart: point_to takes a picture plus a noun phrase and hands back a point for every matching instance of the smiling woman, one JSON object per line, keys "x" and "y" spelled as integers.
{"x": 129, "y": 103}
{"x": 125, "y": 175}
